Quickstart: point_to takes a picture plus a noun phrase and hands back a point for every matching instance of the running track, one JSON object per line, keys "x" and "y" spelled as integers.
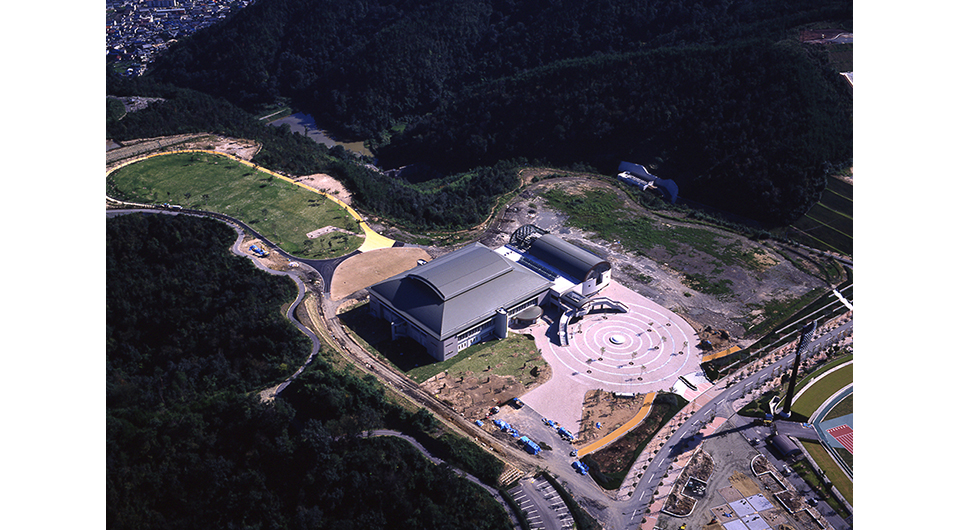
{"x": 844, "y": 435}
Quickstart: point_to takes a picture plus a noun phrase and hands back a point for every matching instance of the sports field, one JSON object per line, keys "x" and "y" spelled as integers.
{"x": 280, "y": 210}
{"x": 827, "y": 400}
{"x": 810, "y": 397}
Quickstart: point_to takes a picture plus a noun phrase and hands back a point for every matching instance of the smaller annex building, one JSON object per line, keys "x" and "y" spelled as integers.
{"x": 470, "y": 295}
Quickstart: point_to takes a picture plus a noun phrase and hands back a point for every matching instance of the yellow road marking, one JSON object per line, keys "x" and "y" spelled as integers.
{"x": 372, "y": 240}
{"x": 623, "y": 429}
{"x": 720, "y": 354}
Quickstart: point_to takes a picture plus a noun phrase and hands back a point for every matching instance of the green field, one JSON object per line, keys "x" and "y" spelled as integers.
{"x": 836, "y": 476}
{"x": 604, "y": 213}
{"x": 829, "y": 224}
{"x": 282, "y": 212}
{"x": 807, "y": 403}
{"x": 515, "y": 355}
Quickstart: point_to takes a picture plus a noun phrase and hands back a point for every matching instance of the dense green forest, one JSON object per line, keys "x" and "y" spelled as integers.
{"x": 715, "y": 94}
{"x": 190, "y": 111}
{"x": 193, "y": 332}
{"x": 456, "y": 201}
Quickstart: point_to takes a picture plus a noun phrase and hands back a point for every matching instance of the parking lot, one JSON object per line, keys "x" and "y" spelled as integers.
{"x": 544, "y": 508}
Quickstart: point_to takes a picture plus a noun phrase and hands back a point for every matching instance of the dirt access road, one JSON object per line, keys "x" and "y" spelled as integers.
{"x": 660, "y": 274}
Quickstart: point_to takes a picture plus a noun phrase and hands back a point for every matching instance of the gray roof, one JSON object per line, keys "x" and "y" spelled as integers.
{"x": 472, "y": 267}
{"x": 567, "y": 258}
{"x": 457, "y": 291}
{"x": 784, "y": 445}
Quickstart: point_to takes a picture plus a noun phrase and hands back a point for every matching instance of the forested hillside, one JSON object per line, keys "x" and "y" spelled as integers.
{"x": 193, "y": 332}
{"x": 718, "y": 95}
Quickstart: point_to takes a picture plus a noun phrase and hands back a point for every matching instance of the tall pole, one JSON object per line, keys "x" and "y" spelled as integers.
{"x": 805, "y": 335}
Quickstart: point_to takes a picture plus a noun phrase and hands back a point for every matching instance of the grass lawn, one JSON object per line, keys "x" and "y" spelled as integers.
{"x": 821, "y": 391}
{"x": 283, "y": 212}
{"x": 515, "y": 355}
{"x": 832, "y": 470}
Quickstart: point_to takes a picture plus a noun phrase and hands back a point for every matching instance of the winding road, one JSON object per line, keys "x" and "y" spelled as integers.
{"x": 600, "y": 504}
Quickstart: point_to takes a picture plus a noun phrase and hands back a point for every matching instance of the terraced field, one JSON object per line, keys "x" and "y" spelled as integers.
{"x": 829, "y": 224}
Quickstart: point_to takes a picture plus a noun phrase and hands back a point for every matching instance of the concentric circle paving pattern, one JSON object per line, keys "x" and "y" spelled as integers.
{"x": 640, "y": 350}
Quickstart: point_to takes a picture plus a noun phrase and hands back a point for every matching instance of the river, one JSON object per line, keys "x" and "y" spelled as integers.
{"x": 305, "y": 124}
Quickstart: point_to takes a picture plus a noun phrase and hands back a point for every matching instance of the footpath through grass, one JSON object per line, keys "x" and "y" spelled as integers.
{"x": 283, "y": 212}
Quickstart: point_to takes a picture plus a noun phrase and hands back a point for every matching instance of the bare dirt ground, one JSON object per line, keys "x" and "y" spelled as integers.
{"x": 699, "y": 467}
{"x": 326, "y": 230}
{"x": 245, "y": 149}
{"x": 272, "y": 260}
{"x": 608, "y": 409}
{"x": 659, "y": 275}
{"x": 473, "y": 395}
{"x": 363, "y": 270}
{"x": 237, "y": 147}
{"x": 326, "y": 184}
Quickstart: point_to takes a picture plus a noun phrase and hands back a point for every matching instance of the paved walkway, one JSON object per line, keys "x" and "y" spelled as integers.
{"x": 644, "y": 350}
{"x": 663, "y": 491}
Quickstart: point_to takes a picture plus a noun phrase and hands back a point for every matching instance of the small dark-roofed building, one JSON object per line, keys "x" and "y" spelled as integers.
{"x": 784, "y": 446}
{"x": 457, "y": 300}
{"x": 575, "y": 262}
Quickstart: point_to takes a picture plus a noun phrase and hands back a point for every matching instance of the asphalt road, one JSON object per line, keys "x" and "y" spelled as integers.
{"x": 599, "y": 503}
{"x": 721, "y": 406}
{"x": 544, "y": 508}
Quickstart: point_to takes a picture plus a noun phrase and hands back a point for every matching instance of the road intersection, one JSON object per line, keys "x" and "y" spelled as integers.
{"x": 620, "y": 510}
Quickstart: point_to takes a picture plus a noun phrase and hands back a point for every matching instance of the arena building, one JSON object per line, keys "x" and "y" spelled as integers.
{"x": 470, "y": 295}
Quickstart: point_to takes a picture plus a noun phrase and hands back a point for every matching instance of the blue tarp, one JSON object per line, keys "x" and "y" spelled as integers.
{"x": 528, "y": 444}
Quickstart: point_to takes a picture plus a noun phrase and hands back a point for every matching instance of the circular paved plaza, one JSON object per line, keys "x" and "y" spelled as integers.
{"x": 625, "y": 351}
{"x": 643, "y": 350}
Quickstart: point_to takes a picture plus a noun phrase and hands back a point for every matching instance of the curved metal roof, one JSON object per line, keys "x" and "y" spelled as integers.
{"x": 784, "y": 445}
{"x": 566, "y": 257}
{"x": 471, "y": 267}
{"x": 454, "y": 292}
{"x": 530, "y": 313}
